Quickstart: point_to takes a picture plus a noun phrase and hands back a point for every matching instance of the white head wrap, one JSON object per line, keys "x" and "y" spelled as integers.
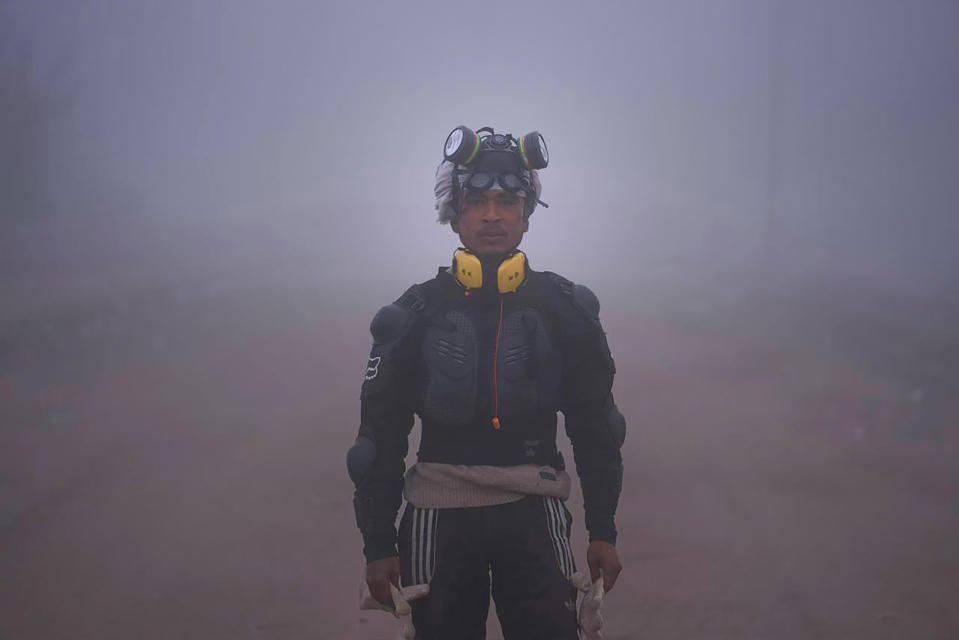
{"x": 446, "y": 208}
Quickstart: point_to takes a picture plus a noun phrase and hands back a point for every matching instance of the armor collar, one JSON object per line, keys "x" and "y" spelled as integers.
{"x": 510, "y": 274}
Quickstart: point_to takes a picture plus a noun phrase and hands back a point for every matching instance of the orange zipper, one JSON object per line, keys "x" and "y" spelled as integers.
{"x": 499, "y": 327}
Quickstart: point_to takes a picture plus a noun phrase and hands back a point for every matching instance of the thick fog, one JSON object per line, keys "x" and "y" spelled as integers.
{"x": 202, "y": 205}
{"x": 686, "y": 139}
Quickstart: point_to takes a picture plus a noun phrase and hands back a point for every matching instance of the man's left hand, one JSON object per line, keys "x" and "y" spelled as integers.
{"x": 601, "y": 555}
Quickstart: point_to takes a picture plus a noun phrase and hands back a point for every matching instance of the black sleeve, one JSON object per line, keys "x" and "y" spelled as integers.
{"x": 386, "y": 417}
{"x": 594, "y": 424}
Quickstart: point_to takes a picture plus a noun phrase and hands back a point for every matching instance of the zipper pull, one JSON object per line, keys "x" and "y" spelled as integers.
{"x": 499, "y": 329}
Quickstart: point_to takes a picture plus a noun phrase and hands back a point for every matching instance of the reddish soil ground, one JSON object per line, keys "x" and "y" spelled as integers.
{"x": 770, "y": 492}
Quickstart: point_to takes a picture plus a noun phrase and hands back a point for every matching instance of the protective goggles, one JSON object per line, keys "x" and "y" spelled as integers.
{"x": 483, "y": 181}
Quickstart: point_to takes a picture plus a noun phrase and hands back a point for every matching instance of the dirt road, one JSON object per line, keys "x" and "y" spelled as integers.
{"x": 770, "y": 492}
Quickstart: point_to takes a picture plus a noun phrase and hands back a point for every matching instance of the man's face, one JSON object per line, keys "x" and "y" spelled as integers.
{"x": 491, "y": 222}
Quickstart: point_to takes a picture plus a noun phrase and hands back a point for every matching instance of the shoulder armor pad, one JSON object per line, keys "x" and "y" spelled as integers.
{"x": 393, "y": 320}
{"x": 390, "y": 322}
{"x": 586, "y": 300}
{"x": 566, "y": 286}
{"x": 413, "y": 299}
{"x": 582, "y": 297}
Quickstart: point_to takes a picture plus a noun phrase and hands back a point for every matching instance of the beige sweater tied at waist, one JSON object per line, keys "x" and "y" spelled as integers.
{"x": 434, "y": 485}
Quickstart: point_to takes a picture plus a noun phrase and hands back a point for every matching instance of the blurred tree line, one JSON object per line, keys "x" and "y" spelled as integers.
{"x": 30, "y": 106}
{"x": 34, "y": 97}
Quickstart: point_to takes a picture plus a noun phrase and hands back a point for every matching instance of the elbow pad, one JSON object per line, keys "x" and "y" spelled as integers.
{"x": 359, "y": 459}
{"x": 616, "y": 424}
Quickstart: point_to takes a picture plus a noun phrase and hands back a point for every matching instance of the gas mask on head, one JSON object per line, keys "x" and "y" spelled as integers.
{"x": 484, "y": 160}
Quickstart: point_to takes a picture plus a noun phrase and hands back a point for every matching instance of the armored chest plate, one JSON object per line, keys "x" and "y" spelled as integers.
{"x": 449, "y": 353}
{"x": 528, "y": 366}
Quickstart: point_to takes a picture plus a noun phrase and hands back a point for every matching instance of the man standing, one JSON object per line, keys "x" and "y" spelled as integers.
{"x": 485, "y": 354}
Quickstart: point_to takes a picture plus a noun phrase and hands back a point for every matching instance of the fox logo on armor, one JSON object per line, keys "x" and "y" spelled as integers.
{"x": 372, "y": 367}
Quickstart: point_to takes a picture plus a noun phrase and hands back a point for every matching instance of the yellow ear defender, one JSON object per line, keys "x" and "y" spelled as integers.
{"x": 509, "y": 276}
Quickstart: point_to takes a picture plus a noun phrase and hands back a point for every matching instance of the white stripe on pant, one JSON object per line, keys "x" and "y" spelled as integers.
{"x": 423, "y": 552}
{"x": 559, "y": 533}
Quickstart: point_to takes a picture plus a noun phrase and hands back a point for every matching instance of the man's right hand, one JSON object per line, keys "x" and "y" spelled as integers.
{"x": 379, "y": 575}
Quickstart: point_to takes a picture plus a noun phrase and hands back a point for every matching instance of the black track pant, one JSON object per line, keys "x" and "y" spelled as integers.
{"x": 524, "y": 544}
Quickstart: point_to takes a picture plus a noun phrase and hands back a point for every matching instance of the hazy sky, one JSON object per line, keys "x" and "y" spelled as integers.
{"x": 684, "y": 136}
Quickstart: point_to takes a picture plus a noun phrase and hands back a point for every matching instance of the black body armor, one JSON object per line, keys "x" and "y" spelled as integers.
{"x": 487, "y": 373}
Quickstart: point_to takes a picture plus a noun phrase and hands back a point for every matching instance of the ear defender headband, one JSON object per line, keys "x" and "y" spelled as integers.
{"x": 469, "y": 271}
{"x": 479, "y": 161}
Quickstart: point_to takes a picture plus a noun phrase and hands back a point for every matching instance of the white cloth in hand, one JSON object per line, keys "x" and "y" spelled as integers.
{"x": 401, "y": 605}
{"x": 590, "y": 615}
